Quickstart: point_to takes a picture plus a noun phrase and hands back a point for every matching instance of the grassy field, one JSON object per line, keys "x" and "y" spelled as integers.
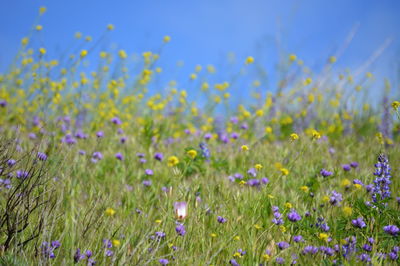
{"x": 105, "y": 166}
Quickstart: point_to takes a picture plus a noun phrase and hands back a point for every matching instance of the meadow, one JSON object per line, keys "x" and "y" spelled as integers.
{"x": 110, "y": 167}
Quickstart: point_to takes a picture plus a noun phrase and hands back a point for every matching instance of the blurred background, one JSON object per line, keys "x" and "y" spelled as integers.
{"x": 217, "y": 32}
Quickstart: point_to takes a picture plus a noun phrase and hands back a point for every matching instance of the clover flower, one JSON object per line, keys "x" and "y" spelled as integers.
{"x": 180, "y": 229}
{"x": 391, "y": 229}
{"x": 221, "y": 220}
{"x": 283, "y": 245}
{"x": 325, "y": 173}
{"x": 293, "y": 216}
{"x": 42, "y": 156}
{"x": 335, "y": 198}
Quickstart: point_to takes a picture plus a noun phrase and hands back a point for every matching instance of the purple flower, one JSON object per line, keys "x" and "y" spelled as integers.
{"x": 116, "y": 121}
{"x": 367, "y": 248}
{"x": 3, "y": 103}
{"x": 298, "y": 239}
{"x": 146, "y": 183}
{"x": 207, "y": 136}
{"x": 119, "y": 156}
{"x": 158, "y": 156}
{"x": 140, "y": 155}
{"x": 123, "y": 140}
{"x": 100, "y": 134}
{"x": 180, "y": 229}
{"x": 11, "y": 162}
{"x": 310, "y": 250}
{"x": 88, "y": 253}
{"x": 234, "y": 135}
{"x": 22, "y": 174}
{"x": 354, "y": 164}
{"x": 325, "y": 173}
{"x": 283, "y": 245}
{"x": 82, "y": 152}
{"x": 391, "y": 229}
{"x": 252, "y": 172}
{"x": 142, "y": 160}
{"x": 382, "y": 181}
{"x": 359, "y": 222}
{"x": 293, "y": 216}
{"x": 364, "y": 257}
{"x": 42, "y": 156}
{"x": 280, "y": 260}
{"x": 55, "y": 244}
{"x": 97, "y": 155}
{"x": 148, "y": 172}
{"x": 78, "y": 256}
{"x": 346, "y": 167}
{"x": 32, "y": 135}
{"x": 221, "y": 220}
{"x": 233, "y": 262}
{"x": 163, "y": 261}
{"x": 109, "y": 253}
{"x": 159, "y": 235}
{"x": 234, "y": 120}
{"x": 244, "y": 126}
{"x": 107, "y": 243}
{"x": 335, "y": 198}
{"x": 253, "y": 182}
{"x": 264, "y": 180}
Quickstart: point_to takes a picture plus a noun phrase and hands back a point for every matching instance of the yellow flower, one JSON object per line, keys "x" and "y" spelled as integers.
{"x": 39, "y": 27}
{"x": 266, "y": 257}
{"x": 292, "y": 57}
{"x": 244, "y": 148}
{"x": 242, "y": 182}
{"x": 316, "y": 134}
{"x": 395, "y": 105}
{"x": 42, "y": 10}
{"x": 268, "y": 130}
{"x": 192, "y": 153}
{"x": 304, "y": 188}
{"x": 158, "y": 221}
{"x": 270, "y": 196}
{"x": 122, "y": 54}
{"x": 257, "y": 226}
{"x": 348, "y": 211}
{"x": 78, "y": 35}
{"x": 25, "y": 41}
{"x": 345, "y": 183}
{"x": 288, "y": 205}
{"x": 42, "y": 51}
{"x": 259, "y": 112}
{"x": 110, "y": 27}
{"x": 172, "y": 161}
{"x": 110, "y": 212}
{"x": 323, "y": 236}
{"x": 84, "y": 53}
{"x": 284, "y": 171}
{"x": 332, "y": 59}
{"x": 325, "y": 198}
{"x": 358, "y": 186}
{"x": 282, "y": 228}
{"x": 294, "y": 136}
{"x": 213, "y": 235}
{"x": 116, "y": 243}
{"x": 249, "y": 60}
{"x": 237, "y": 255}
{"x": 193, "y": 76}
{"x": 167, "y": 39}
{"x": 237, "y": 238}
{"x": 258, "y": 166}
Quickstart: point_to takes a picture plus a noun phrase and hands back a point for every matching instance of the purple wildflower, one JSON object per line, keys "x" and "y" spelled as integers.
{"x": 283, "y": 245}
{"x": 293, "y": 216}
{"x": 100, "y": 134}
{"x": 148, "y": 172}
{"x": 335, "y": 198}
{"x": 163, "y": 261}
{"x": 382, "y": 182}
{"x": 391, "y": 229}
{"x": 221, "y": 220}
{"x": 146, "y": 183}
{"x": 325, "y": 173}
{"x": 42, "y": 156}
{"x": 180, "y": 229}
{"x": 252, "y": 172}
{"x": 354, "y": 164}
{"x": 359, "y": 222}
{"x": 119, "y": 156}
{"x": 78, "y": 256}
{"x": 158, "y": 156}
{"x": 11, "y": 162}
{"x": 116, "y": 121}
{"x": 298, "y": 239}
{"x": 280, "y": 260}
{"x": 346, "y": 167}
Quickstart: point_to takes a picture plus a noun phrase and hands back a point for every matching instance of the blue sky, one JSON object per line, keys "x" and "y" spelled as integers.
{"x": 203, "y": 32}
